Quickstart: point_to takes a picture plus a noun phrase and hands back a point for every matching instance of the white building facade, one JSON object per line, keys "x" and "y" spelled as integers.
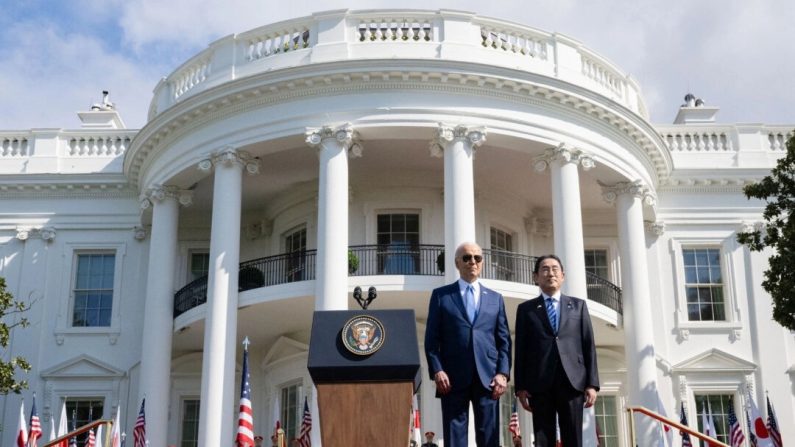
{"x": 273, "y": 157}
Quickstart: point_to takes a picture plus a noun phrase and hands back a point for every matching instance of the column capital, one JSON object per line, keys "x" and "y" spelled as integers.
{"x": 447, "y": 133}
{"x": 565, "y": 154}
{"x": 634, "y": 188}
{"x": 345, "y": 134}
{"x": 158, "y": 193}
{"x": 230, "y": 155}
{"x": 47, "y": 234}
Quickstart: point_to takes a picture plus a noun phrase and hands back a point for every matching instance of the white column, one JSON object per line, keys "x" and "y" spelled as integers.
{"x": 457, "y": 145}
{"x": 220, "y": 333}
{"x": 333, "y": 145}
{"x": 566, "y": 212}
{"x": 638, "y": 310}
{"x": 159, "y": 307}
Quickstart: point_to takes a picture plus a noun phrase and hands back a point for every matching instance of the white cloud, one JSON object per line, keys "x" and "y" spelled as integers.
{"x": 50, "y": 74}
{"x": 732, "y": 54}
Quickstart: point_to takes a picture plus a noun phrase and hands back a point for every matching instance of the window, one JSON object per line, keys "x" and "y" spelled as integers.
{"x": 190, "y": 423}
{"x": 82, "y": 411}
{"x": 718, "y": 405}
{"x": 199, "y": 265}
{"x": 606, "y": 421}
{"x": 507, "y": 401}
{"x": 292, "y": 409}
{"x": 703, "y": 284}
{"x": 93, "y": 289}
{"x": 501, "y": 259}
{"x": 398, "y": 238}
{"x": 596, "y": 263}
{"x": 295, "y": 247}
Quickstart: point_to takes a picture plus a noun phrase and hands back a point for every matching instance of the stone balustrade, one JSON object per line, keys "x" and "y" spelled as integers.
{"x": 334, "y": 36}
{"x": 63, "y": 151}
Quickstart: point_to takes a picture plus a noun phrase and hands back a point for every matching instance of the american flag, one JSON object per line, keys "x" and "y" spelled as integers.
{"x": 115, "y": 432}
{"x": 139, "y": 431}
{"x": 685, "y": 435}
{"x": 513, "y": 424}
{"x": 92, "y": 439}
{"x": 304, "y": 438}
{"x": 245, "y": 419}
{"x": 736, "y": 435}
{"x": 35, "y": 425}
{"x": 772, "y": 425}
{"x": 73, "y": 439}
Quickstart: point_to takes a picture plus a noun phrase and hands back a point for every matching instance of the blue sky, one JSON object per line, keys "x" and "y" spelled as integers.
{"x": 58, "y": 55}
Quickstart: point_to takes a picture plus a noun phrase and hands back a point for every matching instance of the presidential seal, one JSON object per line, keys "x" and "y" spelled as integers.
{"x": 363, "y": 335}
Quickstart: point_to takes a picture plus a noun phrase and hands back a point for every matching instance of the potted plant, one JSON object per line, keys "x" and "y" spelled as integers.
{"x": 353, "y": 262}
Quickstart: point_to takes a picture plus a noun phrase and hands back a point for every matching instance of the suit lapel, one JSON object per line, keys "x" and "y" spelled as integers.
{"x": 565, "y": 311}
{"x": 455, "y": 295}
{"x": 541, "y": 311}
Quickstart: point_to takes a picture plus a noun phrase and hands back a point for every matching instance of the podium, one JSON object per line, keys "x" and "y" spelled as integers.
{"x": 366, "y": 367}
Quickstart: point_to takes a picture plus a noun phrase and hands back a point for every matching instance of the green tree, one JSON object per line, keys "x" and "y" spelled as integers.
{"x": 778, "y": 190}
{"x": 11, "y": 309}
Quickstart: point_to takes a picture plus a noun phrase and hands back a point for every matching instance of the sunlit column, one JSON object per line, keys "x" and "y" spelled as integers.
{"x": 457, "y": 146}
{"x": 563, "y": 163}
{"x": 629, "y": 198}
{"x": 333, "y": 147}
{"x": 159, "y": 306}
{"x": 220, "y": 333}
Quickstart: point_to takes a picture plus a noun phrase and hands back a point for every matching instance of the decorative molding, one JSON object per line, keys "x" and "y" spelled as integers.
{"x": 656, "y": 228}
{"x": 229, "y": 156}
{"x": 735, "y": 334}
{"x": 259, "y": 229}
{"x": 187, "y": 116}
{"x": 47, "y": 234}
{"x": 749, "y": 227}
{"x": 538, "y": 226}
{"x": 139, "y": 233}
{"x": 565, "y": 154}
{"x": 683, "y": 334}
{"x": 345, "y": 134}
{"x": 635, "y": 188}
{"x": 158, "y": 193}
{"x": 447, "y": 133}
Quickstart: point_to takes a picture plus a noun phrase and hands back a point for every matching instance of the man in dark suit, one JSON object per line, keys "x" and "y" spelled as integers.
{"x": 468, "y": 347}
{"x": 556, "y": 370}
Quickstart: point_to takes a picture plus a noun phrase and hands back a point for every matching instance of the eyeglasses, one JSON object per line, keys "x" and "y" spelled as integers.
{"x": 467, "y": 258}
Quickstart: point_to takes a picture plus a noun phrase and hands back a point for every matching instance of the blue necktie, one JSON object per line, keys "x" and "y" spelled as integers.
{"x": 553, "y": 315}
{"x": 469, "y": 296}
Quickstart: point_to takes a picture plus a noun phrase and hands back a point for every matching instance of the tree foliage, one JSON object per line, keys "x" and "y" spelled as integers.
{"x": 10, "y": 309}
{"x": 778, "y": 233}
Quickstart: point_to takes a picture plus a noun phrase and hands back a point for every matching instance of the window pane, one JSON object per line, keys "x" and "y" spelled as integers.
{"x": 93, "y": 292}
{"x": 704, "y": 284}
{"x": 190, "y": 423}
{"x": 82, "y": 411}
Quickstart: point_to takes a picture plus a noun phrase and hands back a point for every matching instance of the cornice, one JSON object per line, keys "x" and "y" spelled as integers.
{"x": 65, "y": 186}
{"x": 341, "y": 78}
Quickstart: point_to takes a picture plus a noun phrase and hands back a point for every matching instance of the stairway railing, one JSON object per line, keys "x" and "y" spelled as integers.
{"x": 711, "y": 442}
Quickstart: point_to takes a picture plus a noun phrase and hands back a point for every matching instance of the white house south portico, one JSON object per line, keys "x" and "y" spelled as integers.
{"x": 283, "y": 166}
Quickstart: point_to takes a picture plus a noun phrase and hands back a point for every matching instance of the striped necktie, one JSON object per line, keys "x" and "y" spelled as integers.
{"x": 553, "y": 314}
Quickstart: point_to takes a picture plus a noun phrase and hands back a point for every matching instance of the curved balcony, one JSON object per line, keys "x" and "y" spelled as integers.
{"x": 446, "y": 35}
{"x": 373, "y": 260}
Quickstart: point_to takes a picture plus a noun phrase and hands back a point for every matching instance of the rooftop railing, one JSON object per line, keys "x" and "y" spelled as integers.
{"x": 334, "y": 36}
{"x": 374, "y": 260}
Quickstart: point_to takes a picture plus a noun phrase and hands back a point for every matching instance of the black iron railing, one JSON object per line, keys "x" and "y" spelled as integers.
{"x": 394, "y": 259}
{"x": 603, "y": 292}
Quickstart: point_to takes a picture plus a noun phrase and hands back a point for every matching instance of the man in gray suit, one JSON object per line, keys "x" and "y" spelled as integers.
{"x": 555, "y": 367}
{"x": 468, "y": 348}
